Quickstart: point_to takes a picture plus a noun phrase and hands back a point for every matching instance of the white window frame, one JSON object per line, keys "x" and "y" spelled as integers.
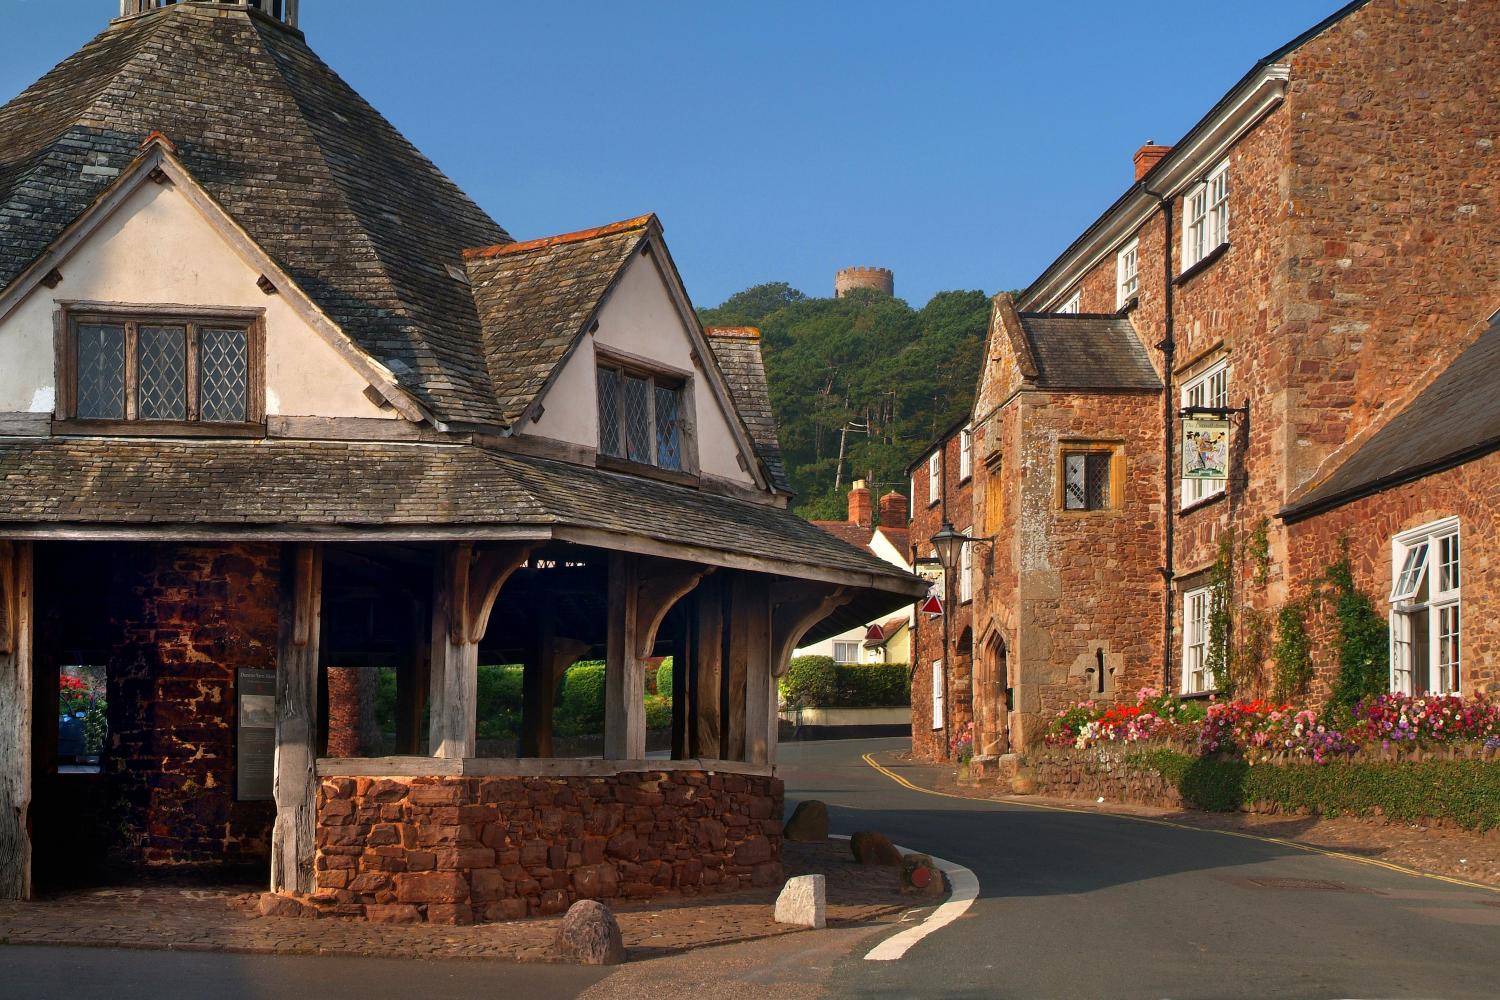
{"x": 965, "y": 453}
{"x": 1205, "y": 216}
{"x": 966, "y": 569}
{"x": 846, "y": 643}
{"x": 1196, "y": 677}
{"x": 937, "y": 694}
{"x": 1127, "y": 273}
{"x": 934, "y": 477}
{"x": 1431, "y": 554}
{"x": 1208, "y": 388}
{"x": 1074, "y": 304}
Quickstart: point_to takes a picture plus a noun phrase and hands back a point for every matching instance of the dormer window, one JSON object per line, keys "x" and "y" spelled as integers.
{"x": 161, "y": 371}
{"x": 640, "y": 416}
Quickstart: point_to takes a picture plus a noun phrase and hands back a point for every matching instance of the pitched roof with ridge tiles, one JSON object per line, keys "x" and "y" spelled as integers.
{"x": 1454, "y": 420}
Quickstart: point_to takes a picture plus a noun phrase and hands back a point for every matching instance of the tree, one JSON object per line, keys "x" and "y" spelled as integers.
{"x": 867, "y": 360}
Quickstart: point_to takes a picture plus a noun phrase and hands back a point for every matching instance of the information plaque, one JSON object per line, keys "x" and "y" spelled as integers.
{"x": 256, "y": 754}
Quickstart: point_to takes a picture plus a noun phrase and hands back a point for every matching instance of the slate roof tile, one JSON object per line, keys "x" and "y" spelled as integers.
{"x": 737, "y": 350}
{"x": 1088, "y": 351}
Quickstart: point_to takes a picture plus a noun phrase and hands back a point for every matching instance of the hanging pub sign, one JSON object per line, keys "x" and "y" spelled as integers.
{"x": 1205, "y": 447}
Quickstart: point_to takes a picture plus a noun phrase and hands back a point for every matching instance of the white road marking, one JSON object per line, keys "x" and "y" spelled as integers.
{"x": 965, "y": 890}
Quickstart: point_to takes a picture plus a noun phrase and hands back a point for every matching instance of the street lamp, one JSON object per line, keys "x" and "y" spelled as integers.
{"x": 949, "y": 545}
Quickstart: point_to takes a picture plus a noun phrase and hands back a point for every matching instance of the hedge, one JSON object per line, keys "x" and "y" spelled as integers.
{"x": 1465, "y": 792}
{"x": 818, "y": 682}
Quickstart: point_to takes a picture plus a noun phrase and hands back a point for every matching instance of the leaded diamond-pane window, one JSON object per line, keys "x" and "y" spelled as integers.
{"x": 609, "y": 413}
{"x": 1086, "y": 480}
{"x": 637, "y": 419}
{"x": 162, "y": 356}
{"x": 101, "y": 372}
{"x": 223, "y": 375}
{"x": 668, "y": 440}
{"x": 640, "y": 417}
{"x": 161, "y": 370}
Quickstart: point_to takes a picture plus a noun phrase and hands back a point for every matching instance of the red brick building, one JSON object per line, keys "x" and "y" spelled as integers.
{"x": 1308, "y": 259}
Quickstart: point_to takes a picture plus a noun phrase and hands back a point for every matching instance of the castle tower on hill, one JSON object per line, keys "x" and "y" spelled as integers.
{"x": 879, "y": 279}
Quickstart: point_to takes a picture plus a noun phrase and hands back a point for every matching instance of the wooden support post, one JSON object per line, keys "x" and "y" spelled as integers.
{"x": 549, "y": 657}
{"x": 624, "y": 686}
{"x": 682, "y": 670}
{"x": 411, "y": 685}
{"x": 708, "y": 670}
{"x": 296, "y": 785}
{"x": 760, "y": 699}
{"x": 740, "y": 624}
{"x": 468, "y": 583}
{"x": 15, "y": 718}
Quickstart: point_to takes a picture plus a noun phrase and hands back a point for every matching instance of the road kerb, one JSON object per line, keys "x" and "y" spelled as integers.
{"x": 1278, "y": 841}
{"x": 964, "y": 889}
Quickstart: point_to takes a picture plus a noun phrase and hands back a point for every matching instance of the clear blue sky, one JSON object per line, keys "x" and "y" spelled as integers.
{"x": 962, "y": 144}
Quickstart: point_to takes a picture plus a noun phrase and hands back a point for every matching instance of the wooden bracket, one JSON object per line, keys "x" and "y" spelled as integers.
{"x": 660, "y": 584}
{"x": 475, "y": 585}
{"x": 307, "y": 593}
{"x": 793, "y": 614}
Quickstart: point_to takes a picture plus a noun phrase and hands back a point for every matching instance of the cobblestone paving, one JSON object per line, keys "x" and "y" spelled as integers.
{"x": 224, "y": 919}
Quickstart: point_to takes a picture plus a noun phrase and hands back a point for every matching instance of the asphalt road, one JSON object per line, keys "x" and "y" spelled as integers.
{"x": 1071, "y": 905}
{"x": 1088, "y": 905}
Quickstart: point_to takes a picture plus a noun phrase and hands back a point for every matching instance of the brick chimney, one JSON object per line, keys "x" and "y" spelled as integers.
{"x": 894, "y": 512}
{"x": 1149, "y": 156}
{"x": 860, "y": 510}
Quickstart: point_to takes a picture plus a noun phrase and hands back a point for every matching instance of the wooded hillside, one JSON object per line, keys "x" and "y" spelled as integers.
{"x": 892, "y": 375}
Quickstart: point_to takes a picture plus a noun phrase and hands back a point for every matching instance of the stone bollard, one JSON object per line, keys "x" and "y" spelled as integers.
{"x": 809, "y": 822}
{"x": 590, "y": 935}
{"x": 870, "y": 848}
{"x": 803, "y": 902}
{"x": 920, "y": 876}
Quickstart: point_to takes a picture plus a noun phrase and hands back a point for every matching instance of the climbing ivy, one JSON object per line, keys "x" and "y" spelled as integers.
{"x": 1219, "y": 657}
{"x": 1363, "y": 639}
{"x": 1292, "y": 652}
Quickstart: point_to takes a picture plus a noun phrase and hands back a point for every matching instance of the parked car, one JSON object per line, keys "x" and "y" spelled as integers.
{"x": 72, "y": 743}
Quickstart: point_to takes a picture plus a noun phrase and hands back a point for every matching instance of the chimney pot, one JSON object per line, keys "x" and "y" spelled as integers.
{"x": 1149, "y": 156}
{"x": 894, "y": 512}
{"x": 861, "y": 511}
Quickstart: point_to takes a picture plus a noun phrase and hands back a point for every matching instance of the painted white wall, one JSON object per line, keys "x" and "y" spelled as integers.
{"x": 157, "y": 249}
{"x": 640, "y": 318}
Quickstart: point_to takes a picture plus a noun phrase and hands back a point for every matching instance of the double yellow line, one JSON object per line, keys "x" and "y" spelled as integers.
{"x": 1278, "y": 841}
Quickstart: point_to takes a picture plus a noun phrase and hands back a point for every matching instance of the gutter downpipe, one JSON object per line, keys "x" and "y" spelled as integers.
{"x": 1168, "y": 347}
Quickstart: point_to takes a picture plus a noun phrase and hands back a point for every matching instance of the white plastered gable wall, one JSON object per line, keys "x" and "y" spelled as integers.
{"x": 882, "y": 547}
{"x": 158, "y": 249}
{"x": 641, "y": 320}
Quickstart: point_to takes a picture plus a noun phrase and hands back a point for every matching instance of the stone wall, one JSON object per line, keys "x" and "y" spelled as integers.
{"x": 1469, "y": 492}
{"x": 185, "y": 618}
{"x": 1100, "y": 773}
{"x": 456, "y": 850}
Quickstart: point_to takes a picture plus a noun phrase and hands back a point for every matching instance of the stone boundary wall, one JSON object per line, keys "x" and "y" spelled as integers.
{"x": 1100, "y": 773}
{"x": 454, "y": 850}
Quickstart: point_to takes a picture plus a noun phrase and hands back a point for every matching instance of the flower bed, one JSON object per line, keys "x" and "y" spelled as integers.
{"x": 1258, "y": 730}
{"x": 1428, "y": 757}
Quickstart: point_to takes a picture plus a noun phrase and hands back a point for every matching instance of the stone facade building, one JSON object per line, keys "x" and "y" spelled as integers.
{"x": 942, "y": 485}
{"x": 281, "y": 408}
{"x": 1308, "y": 261}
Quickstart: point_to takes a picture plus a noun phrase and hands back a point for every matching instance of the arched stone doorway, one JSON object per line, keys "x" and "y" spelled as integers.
{"x": 992, "y": 699}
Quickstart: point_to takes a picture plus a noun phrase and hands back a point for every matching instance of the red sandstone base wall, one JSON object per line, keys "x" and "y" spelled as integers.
{"x": 456, "y": 850}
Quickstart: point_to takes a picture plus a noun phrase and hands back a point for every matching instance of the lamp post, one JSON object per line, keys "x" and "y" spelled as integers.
{"x": 949, "y": 544}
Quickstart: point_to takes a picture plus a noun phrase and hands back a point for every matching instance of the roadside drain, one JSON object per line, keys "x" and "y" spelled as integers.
{"x": 1293, "y": 884}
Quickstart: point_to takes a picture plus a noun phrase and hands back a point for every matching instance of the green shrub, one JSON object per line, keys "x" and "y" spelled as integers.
{"x": 580, "y": 708}
{"x": 499, "y": 702}
{"x": 1466, "y": 792}
{"x": 873, "y": 685}
{"x": 658, "y": 712}
{"x": 810, "y": 682}
{"x": 664, "y": 678}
